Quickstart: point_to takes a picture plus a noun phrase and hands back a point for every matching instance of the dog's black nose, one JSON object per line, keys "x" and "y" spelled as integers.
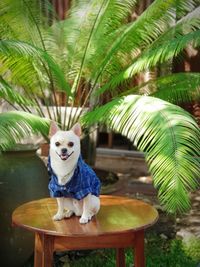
{"x": 64, "y": 150}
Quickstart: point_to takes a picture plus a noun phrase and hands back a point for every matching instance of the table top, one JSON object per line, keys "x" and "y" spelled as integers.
{"x": 116, "y": 215}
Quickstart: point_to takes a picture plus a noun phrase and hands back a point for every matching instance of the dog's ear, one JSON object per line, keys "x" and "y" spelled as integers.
{"x": 53, "y": 128}
{"x": 77, "y": 129}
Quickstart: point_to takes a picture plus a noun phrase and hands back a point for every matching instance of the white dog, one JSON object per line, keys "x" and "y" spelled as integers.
{"x": 73, "y": 182}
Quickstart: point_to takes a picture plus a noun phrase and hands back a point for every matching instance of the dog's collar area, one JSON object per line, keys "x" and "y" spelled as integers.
{"x": 64, "y": 156}
{"x": 63, "y": 179}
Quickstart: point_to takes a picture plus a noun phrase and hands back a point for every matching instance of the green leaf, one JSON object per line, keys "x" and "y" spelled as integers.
{"x": 12, "y": 96}
{"x": 13, "y": 50}
{"x": 175, "y": 88}
{"x": 167, "y": 135}
{"x": 16, "y": 125}
{"x": 164, "y": 47}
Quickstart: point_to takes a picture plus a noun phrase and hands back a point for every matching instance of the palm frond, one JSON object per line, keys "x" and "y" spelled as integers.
{"x": 181, "y": 87}
{"x": 135, "y": 36}
{"x": 174, "y": 88}
{"x": 121, "y": 9}
{"x": 93, "y": 26}
{"x": 167, "y": 46}
{"x": 14, "y": 50}
{"x": 185, "y": 7}
{"x": 167, "y": 135}
{"x": 20, "y": 70}
{"x": 78, "y": 30}
{"x": 12, "y": 96}
{"x": 18, "y": 17}
{"x": 85, "y": 30}
{"x": 16, "y": 125}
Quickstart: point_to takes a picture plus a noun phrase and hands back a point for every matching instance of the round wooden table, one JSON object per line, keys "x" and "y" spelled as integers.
{"x": 119, "y": 224}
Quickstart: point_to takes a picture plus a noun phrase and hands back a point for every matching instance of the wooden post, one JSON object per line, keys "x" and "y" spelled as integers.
{"x": 44, "y": 247}
{"x": 120, "y": 257}
{"x": 139, "y": 258}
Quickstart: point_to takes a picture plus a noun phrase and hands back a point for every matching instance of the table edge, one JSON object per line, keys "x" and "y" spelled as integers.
{"x": 51, "y": 233}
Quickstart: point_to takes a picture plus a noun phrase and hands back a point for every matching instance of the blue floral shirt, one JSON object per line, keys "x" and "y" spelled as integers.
{"x": 83, "y": 182}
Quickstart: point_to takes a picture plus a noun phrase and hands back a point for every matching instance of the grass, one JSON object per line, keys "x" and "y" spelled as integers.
{"x": 159, "y": 253}
{"x": 170, "y": 253}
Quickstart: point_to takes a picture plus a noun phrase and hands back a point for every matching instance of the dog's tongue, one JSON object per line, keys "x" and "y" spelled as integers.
{"x": 63, "y": 157}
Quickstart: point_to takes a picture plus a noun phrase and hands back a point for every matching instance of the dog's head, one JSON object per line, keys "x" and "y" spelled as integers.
{"x": 65, "y": 145}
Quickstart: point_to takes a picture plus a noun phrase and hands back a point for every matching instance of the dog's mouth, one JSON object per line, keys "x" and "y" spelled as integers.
{"x": 65, "y": 156}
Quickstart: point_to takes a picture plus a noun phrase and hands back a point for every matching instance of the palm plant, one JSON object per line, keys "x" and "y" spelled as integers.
{"x": 97, "y": 50}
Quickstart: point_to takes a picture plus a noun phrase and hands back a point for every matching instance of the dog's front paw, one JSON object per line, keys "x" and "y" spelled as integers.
{"x": 83, "y": 220}
{"x": 68, "y": 213}
{"x": 58, "y": 216}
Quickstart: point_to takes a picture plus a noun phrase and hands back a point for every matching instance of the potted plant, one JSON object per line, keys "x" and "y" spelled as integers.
{"x": 23, "y": 177}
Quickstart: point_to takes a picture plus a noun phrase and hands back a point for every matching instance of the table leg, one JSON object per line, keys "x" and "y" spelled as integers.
{"x": 120, "y": 257}
{"x": 37, "y": 252}
{"x": 139, "y": 258}
{"x": 44, "y": 247}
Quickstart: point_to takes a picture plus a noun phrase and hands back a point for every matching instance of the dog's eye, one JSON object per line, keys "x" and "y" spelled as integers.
{"x": 70, "y": 144}
{"x": 57, "y": 143}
